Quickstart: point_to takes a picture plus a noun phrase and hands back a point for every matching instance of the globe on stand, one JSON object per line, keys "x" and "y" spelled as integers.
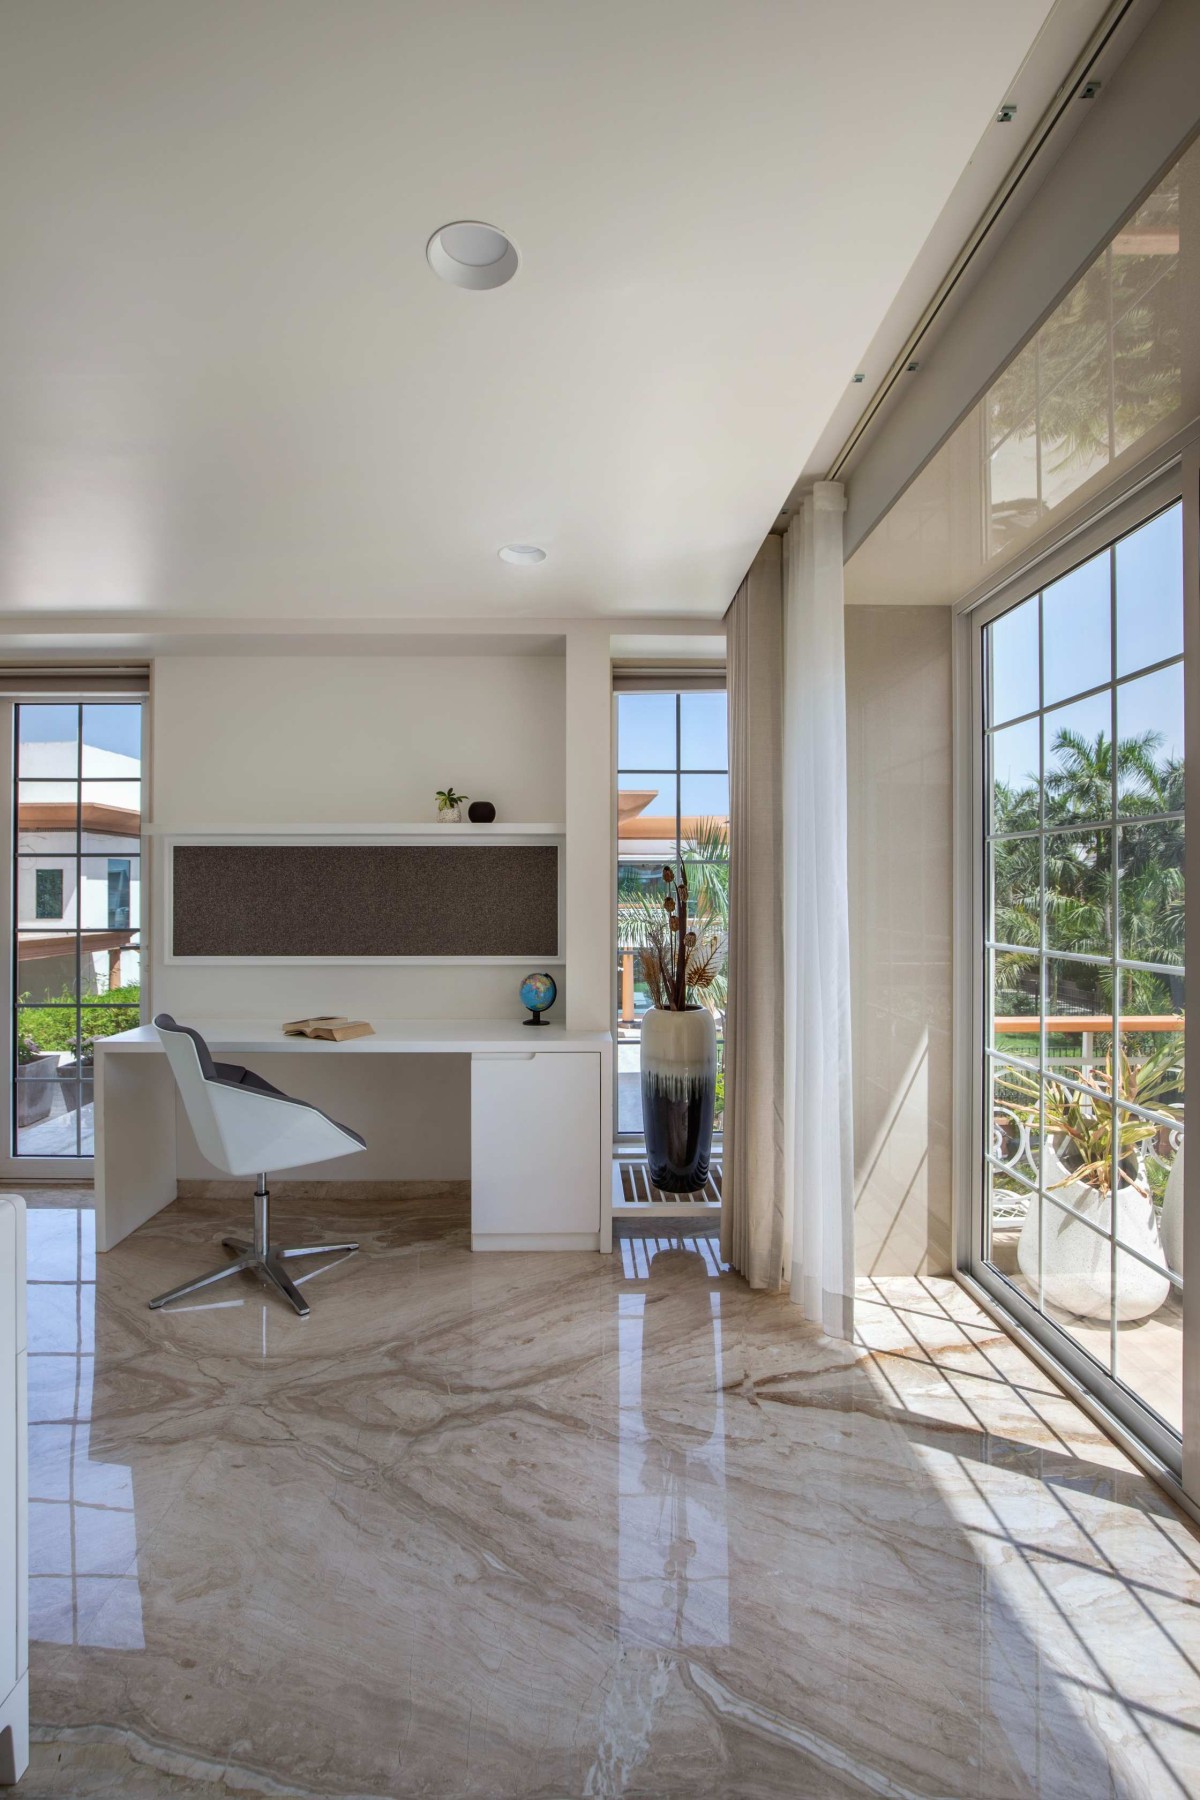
{"x": 538, "y": 993}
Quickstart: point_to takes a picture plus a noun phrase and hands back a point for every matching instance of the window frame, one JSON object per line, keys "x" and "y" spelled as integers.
{"x": 74, "y": 690}
{"x": 676, "y": 683}
{"x": 1139, "y": 499}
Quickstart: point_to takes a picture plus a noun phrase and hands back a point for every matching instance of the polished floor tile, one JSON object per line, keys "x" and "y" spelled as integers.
{"x": 550, "y": 1526}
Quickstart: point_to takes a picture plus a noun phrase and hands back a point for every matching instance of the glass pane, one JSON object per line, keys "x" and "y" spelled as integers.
{"x": 1151, "y": 1071}
{"x": 47, "y": 814}
{"x": 47, "y": 1109}
{"x": 1013, "y": 662}
{"x": 1076, "y": 630}
{"x": 46, "y": 967}
{"x": 703, "y": 731}
{"x": 1016, "y": 1004}
{"x": 1078, "y": 752}
{"x": 39, "y": 1095}
{"x": 1079, "y": 1020}
{"x": 1007, "y": 1206}
{"x": 702, "y": 799}
{"x": 112, "y": 972}
{"x": 1150, "y": 593}
{"x": 1067, "y": 344}
{"x": 1077, "y": 1268}
{"x": 646, "y": 731}
{"x": 100, "y": 1020}
{"x": 647, "y": 812}
{"x": 1016, "y": 865}
{"x": 48, "y": 1029}
{"x": 1147, "y": 366}
{"x": 1012, "y": 474}
{"x": 1075, "y": 430}
{"x": 1014, "y": 1124}
{"x": 47, "y": 741}
{"x": 113, "y": 809}
{"x": 1152, "y": 899}
{"x": 1150, "y": 1345}
{"x": 46, "y": 892}
{"x": 109, "y": 893}
{"x": 1150, "y": 740}
{"x": 112, "y": 740}
{"x": 1079, "y": 891}
{"x": 1015, "y": 763}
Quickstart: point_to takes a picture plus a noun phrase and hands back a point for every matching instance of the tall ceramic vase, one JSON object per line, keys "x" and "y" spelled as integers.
{"x": 679, "y": 1093}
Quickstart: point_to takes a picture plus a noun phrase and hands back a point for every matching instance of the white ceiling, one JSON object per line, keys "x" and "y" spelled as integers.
{"x": 231, "y": 388}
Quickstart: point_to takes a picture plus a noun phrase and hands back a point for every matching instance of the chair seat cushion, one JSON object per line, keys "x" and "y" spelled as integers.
{"x": 235, "y": 1075}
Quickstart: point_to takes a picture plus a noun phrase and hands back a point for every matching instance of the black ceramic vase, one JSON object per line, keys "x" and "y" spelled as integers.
{"x": 679, "y": 1096}
{"x": 481, "y": 812}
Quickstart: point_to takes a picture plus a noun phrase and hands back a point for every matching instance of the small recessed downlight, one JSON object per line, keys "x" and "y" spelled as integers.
{"x": 522, "y": 553}
{"x": 472, "y": 255}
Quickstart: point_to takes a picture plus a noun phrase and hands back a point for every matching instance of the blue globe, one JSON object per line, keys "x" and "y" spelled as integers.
{"x": 538, "y": 992}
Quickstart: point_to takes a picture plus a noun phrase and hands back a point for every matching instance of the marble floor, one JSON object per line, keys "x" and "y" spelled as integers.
{"x": 551, "y": 1526}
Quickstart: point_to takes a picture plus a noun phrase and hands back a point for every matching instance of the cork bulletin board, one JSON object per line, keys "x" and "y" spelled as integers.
{"x": 294, "y": 901}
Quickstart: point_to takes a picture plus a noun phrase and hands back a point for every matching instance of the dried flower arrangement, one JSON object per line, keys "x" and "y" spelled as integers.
{"x": 680, "y": 956}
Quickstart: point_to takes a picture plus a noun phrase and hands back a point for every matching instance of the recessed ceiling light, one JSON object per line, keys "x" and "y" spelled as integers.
{"x": 522, "y": 553}
{"x": 472, "y": 255}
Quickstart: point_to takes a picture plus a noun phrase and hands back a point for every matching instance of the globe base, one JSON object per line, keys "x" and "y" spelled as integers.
{"x": 534, "y": 1019}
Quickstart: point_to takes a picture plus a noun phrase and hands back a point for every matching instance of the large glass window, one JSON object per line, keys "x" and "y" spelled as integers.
{"x": 672, "y": 805}
{"x": 76, "y": 889}
{"x": 1083, "y": 718}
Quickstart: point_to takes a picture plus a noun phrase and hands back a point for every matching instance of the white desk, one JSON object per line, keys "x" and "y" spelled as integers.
{"x": 541, "y": 1099}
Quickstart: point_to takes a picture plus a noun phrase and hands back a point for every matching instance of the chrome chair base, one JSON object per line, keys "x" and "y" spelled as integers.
{"x": 262, "y": 1258}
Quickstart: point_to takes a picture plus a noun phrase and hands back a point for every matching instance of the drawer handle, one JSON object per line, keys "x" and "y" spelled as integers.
{"x": 504, "y": 1056}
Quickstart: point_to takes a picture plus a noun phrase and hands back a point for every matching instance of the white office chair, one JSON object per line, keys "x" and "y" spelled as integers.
{"x": 244, "y": 1126}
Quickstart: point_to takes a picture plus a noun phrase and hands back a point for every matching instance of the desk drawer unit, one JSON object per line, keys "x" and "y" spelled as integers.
{"x": 535, "y": 1150}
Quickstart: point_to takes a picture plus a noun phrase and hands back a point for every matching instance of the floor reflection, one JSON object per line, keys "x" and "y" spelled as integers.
{"x": 673, "y": 1555}
{"x": 83, "y": 1576}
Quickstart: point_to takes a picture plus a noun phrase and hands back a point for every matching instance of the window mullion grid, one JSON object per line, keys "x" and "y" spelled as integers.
{"x": 15, "y": 946}
{"x": 1114, "y": 945}
{"x": 1042, "y": 963}
{"x": 79, "y": 933}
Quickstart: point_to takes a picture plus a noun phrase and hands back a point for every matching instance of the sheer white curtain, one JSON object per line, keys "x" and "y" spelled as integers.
{"x": 819, "y": 1159}
{"x": 788, "y": 1190}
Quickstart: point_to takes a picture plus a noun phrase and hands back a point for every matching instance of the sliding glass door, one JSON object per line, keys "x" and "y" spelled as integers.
{"x": 74, "y": 914}
{"x": 1081, "y": 744}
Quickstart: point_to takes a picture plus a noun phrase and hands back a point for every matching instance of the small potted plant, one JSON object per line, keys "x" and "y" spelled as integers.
{"x": 1080, "y": 1147}
{"x": 450, "y": 805}
{"x": 681, "y": 956}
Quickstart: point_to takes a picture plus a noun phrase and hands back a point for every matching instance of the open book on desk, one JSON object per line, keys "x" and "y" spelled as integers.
{"x": 330, "y": 1027}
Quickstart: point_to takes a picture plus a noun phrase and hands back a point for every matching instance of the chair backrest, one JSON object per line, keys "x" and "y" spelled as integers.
{"x": 242, "y": 1128}
{"x": 195, "y": 1072}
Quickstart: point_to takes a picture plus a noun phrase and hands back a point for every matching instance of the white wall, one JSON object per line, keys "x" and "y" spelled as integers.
{"x": 898, "y": 672}
{"x": 310, "y": 740}
{"x": 255, "y": 740}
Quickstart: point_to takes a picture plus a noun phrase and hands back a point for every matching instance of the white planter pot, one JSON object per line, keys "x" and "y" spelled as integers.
{"x": 449, "y": 815}
{"x": 1076, "y": 1274}
{"x": 679, "y": 1087}
{"x": 1170, "y": 1222}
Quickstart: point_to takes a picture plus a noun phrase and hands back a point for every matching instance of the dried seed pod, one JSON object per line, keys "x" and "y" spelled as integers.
{"x": 668, "y": 873}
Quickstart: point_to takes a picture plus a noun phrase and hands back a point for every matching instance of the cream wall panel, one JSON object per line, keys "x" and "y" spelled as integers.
{"x": 351, "y": 740}
{"x": 898, "y": 662}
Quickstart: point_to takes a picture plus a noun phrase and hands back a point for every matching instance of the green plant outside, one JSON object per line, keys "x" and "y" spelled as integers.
{"x": 50, "y": 1028}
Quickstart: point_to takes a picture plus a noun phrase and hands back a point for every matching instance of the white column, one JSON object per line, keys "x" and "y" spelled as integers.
{"x": 591, "y": 880}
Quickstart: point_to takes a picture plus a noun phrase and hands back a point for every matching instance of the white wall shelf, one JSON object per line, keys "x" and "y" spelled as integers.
{"x": 428, "y": 829}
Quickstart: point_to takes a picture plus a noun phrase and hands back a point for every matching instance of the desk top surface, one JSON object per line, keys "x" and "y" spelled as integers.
{"x": 430, "y": 1037}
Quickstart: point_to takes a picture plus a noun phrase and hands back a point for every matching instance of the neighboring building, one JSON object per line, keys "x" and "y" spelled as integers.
{"x": 78, "y": 864}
